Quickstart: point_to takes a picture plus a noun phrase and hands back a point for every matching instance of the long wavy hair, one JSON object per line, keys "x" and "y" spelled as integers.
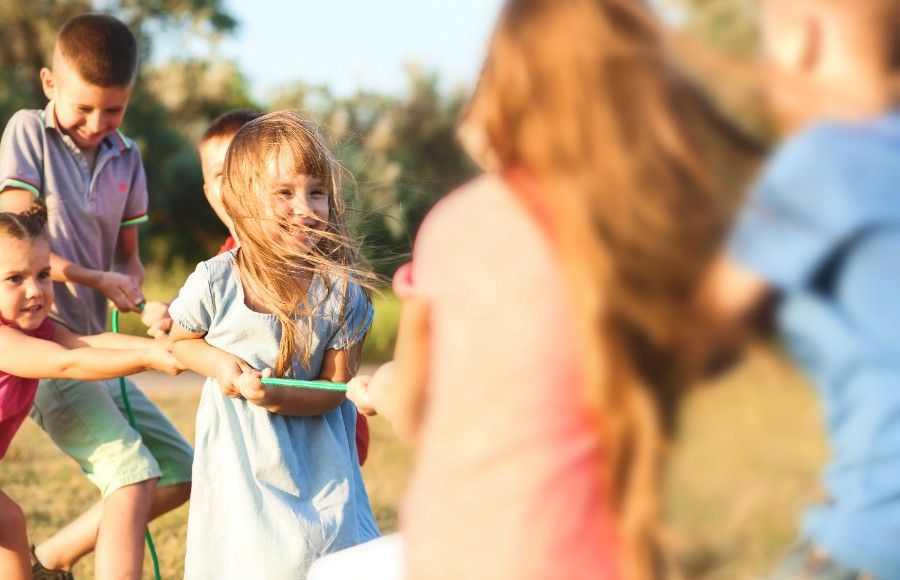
{"x": 631, "y": 167}
{"x": 273, "y": 271}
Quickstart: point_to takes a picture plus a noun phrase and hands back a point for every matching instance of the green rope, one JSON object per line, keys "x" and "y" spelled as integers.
{"x": 131, "y": 421}
{"x": 320, "y": 385}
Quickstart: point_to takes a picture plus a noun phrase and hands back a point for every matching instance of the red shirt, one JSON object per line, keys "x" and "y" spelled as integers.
{"x": 16, "y": 393}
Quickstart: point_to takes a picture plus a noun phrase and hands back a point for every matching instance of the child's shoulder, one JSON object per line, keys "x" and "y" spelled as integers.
{"x": 474, "y": 206}
{"x": 830, "y": 149}
{"x": 341, "y": 289}
{"x": 26, "y": 123}
{"x": 218, "y": 269}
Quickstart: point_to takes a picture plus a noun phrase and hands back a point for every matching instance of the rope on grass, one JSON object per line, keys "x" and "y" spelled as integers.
{"x": 131, "y": 421}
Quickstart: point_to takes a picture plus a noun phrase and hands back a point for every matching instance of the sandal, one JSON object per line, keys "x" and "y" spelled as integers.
{"x": 39, "y": 572}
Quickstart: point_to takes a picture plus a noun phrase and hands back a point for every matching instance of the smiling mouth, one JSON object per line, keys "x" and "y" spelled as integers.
{"x": 33, "y": 309}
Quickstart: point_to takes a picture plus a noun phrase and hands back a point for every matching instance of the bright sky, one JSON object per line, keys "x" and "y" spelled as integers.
{"x": 346, "y": 44}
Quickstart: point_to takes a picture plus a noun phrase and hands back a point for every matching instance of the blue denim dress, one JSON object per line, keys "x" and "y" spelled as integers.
{"x": 271, "y": 493}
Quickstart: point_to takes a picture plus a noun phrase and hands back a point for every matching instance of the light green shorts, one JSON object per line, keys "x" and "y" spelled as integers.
{"x": 87, "y": 420}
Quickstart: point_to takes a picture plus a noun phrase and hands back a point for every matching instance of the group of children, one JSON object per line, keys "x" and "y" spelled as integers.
{"x": 553, "y": 313}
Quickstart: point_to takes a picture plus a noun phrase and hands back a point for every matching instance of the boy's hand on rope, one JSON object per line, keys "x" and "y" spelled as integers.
{"x": 161, "y": 358}
{"x": 252, "y": 389}
{"x": 155, "y": 317}
{"x": 121, "y": 290}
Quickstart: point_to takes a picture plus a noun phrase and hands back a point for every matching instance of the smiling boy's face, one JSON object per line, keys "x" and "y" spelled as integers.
{"x": 85, "y": 112}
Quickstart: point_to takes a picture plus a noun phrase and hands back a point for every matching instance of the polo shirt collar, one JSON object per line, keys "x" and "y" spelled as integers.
{"x": 116, "y": 140}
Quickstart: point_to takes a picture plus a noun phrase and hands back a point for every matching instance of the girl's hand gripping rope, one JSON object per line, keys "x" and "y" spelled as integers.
{"x": 229, "y": 375}
{"x": 252, "y": 389}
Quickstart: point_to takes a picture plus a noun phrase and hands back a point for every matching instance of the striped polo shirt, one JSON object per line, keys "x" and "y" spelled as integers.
{"x": 85, "y": 210}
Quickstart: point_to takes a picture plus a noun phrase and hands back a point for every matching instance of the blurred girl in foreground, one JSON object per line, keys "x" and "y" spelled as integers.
{"x": 545, "y": 337}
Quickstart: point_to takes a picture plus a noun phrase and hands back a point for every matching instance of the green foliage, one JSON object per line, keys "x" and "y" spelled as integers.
{"x": 399, "y": 152}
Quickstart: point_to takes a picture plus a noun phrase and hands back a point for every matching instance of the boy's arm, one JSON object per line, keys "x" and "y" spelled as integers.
{"x": 14, "y": 200}
{"x": 128, "y": 257}
{"x": 734, "y": 304}
{"x": 34, "y": 358}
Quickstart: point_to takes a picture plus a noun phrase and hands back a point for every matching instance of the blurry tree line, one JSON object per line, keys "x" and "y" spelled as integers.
{"x": 399, "y": 151}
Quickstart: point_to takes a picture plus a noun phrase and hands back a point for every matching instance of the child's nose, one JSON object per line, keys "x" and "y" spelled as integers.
{"x": 300, "y": 205}
{"x": 94, "y": 122}
{"x": 33, "y": 289}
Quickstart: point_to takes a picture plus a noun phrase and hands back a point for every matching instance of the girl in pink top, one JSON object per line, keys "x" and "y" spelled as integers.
{"x": 33, "y": 347}
{"x": 546, "y": 331}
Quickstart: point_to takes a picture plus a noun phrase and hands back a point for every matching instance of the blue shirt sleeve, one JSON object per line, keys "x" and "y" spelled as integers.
{"x": 867, "y": 286}
{"x": 358, "y": 314}
{"x": 193, "y": 308}
{"x": 801, "y": 210}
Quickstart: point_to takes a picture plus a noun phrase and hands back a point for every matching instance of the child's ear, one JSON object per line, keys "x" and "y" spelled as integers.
{"x": 47, "y": 82}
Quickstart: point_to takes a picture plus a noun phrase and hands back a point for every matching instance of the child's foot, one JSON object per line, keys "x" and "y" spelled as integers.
{"x": 39, "y": 572}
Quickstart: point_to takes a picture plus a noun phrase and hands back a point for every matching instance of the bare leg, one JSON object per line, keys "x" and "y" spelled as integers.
{"x": 70, "y": 544}
{"x": 15, "y": 560}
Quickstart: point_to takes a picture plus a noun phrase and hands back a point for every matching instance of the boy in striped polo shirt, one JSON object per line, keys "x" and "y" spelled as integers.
{"x": 74, "y": 157}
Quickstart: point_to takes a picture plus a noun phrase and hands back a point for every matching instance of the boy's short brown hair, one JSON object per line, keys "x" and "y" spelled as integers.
{"x": 228, "y": 124}
{"x": 101, "y": 48}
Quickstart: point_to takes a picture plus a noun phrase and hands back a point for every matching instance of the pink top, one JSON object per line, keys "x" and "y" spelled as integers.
{"x": 16, "y": 393}
{"x": 508, "y": 476}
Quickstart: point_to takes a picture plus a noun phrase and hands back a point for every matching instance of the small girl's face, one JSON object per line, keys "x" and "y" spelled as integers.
{"x": 26, "y": 292}
{"x": 298, "y": 203}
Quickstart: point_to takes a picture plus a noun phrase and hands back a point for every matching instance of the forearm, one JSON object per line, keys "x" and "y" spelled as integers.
{"x": 301, "y": 401}
{"x": 93, "y": 364}
{"x": 62, "y": 270}
{"x": 115, "y": 341}
{"x": 132, "y": 266}
{"x": 410, "y": 374}
{"x": 199, "y": 356}
{"x": 128, "y": 256}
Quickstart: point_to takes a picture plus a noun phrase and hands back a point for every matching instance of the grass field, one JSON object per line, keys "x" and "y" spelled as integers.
{"x": 744, "y": 465}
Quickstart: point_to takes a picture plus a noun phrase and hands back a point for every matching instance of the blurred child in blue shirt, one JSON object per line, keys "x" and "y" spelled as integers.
{"x": 822, "y": 231}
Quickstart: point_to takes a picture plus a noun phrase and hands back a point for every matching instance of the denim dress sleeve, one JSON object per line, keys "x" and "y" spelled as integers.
{"x": 358, "y": 314}
{"x": 192, "y": 308}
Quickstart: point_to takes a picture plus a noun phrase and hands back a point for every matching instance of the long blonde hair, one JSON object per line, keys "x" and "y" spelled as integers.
{"x": 628, "y": 158}
{"x": 273, "y": 271}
